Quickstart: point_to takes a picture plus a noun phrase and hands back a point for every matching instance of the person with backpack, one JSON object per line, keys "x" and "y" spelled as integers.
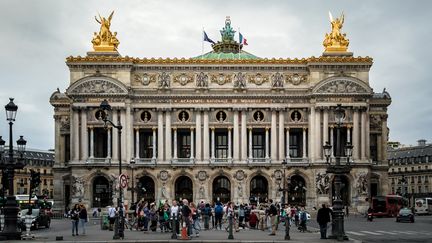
{"x": 206, "y": 214}
{"x": 74, "y": 215}
{"x": 195, "y": 218}
{"x": 82, "y": 218}
{"x": 303, "y": 220}
{"x": 218, "y": 215}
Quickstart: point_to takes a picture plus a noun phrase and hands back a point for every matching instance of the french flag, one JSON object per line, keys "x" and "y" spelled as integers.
{"x": 242, "y": 40}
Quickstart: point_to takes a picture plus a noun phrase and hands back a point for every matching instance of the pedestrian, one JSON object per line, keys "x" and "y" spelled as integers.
{"x": 111, "y": 216}
{"x": 273, "y": 217}
{"x": 218, "y": 215}
{"x": 83, "y": 218}
{"x": 261, "y": 219}
{"x": 146, "y": 211}
{"x": 303, "y": 220}
{"x": 74, "y": 215}
{"x": 323, "y": 217}
{"x": 153, "y": 217}
{"x": 186, "y": 217}
{"x": 195, "y": 219}
{"x": 174, "y": 211}
{"x": 253, "y": 219}
{"x": 206, "y": 214}
{"x": 241, "y": 214}
{"x": 346, "y": 211}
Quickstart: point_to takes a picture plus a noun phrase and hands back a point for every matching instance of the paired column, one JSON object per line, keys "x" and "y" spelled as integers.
{"x": 192, "y": 143}
{"x": 273, "y": 136}
{"x": 160, "y": 147}
{"x": 115, "y": 140}
{"x": 84, "y": 136}
{"x": 124, "y": 137}
{"x": 325, "y": 128}
{"x": 243, "y": 138}
{"x": 128, "y": 134}
{"x": 384, "y": 136}
{"x": 212, "y": 143}
{"x": 356, "y": 135}
{"x": 332, "y": 140}
{"x": 154, "y": 143}
{"x": 367, "y": 136}
{"x": 363, "y": 135}
{"x": 91, "y": 142}
{"x": 311, "y": 133}
{"x": 236, "y": 153}
{"x": 229, "y": 143}
{"x": 348, "y": 134}
{"x": 168, "y": 150}
{"x": 109, "y": 143}
{"x": 206, "y": 137}
{"x": 267, "y": 144}
{"x": 318, "y": 146}
{"x": 75, "y": 135}
{"x": 288, "y": 143}
{"x": 137, "y": 143}
{"x": 175, "y": 143}
{"x": 304, "y": 143}
{"x": 281, "y": 135}
{"x": 198, "y": 135}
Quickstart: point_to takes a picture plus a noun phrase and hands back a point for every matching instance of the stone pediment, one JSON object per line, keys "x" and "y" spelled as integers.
{"x": 342, "y": 85}
{"x": 97, "y": 85}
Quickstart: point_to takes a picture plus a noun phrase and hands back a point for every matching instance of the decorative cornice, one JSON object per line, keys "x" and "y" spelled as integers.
{"x": 169, "y": 61}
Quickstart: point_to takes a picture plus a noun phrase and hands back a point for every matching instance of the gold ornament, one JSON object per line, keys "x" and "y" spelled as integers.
{"x": 336, "y": 41}
{"x": 105, "y": 40}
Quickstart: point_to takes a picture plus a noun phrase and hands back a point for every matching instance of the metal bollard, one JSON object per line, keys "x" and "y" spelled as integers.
{"x": 174, "y": 228}
{"x": 230, "y": 228}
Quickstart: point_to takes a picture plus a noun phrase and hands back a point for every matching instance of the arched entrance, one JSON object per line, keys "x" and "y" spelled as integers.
{"x": 184, "y": 188}
{"x": 259, "y": 189}
{"x": 146, "y": 189}
{"x": 297, "y": 191}
{"x": 345, "y": 190}
{"x": 101, "y": 192}
{"x": 221, "y": 189}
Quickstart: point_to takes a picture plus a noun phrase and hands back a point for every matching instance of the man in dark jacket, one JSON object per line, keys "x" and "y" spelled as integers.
{"x": 323, "y": 217}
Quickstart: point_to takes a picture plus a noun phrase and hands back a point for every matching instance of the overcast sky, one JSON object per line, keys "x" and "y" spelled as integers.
{"x": 37, "y": 36}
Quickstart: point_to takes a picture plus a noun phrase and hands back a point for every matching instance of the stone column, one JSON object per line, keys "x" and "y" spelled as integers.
{"x": 384, "y": 136}
{"x": 75, "y": 135}
{"x": 367, "y": 135}
{"x": 288, "y": 143}
{"x": 363, "y": 135}
{"x": 356, "y": 135}
{"x": 115, "y": 139}
{"x": 332, "y": 140}
{"x": 348, "y": 134}
{"x": 128, "y": 125}
{"x": 154, "y": 143}
{"x": 325, "y": 128}
{"x": 212, "y": 143}
{"x": 250, "y": 143}
{"x": 58, "y": 138}
{"x": 304, "y": 143}
{"x": 379, "y": 148}
{"x": 229, "y": 143}
{"x": 192, "y": 143}
{"x": 318, "y": 146}
{"x": 236, "y": 138}
{"x": 168, "y": 137}
{"x": 206, "y": 137}
{"x": 84, "y": 135}
{"x": 198, "y": 135}
{"x": 281, "y": 135}
{"x": 175, "y": 143}
{"x": 137, "y": 143}
{"x": 160, "y": 138}
{"x": 273, "y": 146}
{"x": 124, "y": 137}
{"x": 109, "y": 143}
{"x": 243, "y": 137}
{"x": 267, "y": 143}
{"x": 92, "y": 143}
{"x": 311, "y": 135}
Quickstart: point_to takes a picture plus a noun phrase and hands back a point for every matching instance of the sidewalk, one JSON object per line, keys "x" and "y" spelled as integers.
{"x": 95, "y": 234}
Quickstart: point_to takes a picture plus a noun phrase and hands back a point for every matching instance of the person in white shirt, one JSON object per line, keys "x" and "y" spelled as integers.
{"x": 174, "y": 214}
{"x": 111, "y": 216}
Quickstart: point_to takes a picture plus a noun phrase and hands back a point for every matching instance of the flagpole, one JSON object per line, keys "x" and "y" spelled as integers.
{"x": 239, "y": 43}
{"x": 202, "y": 43}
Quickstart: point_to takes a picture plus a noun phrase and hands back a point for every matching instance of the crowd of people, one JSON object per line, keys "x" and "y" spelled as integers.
{"x": 169, "y": 217}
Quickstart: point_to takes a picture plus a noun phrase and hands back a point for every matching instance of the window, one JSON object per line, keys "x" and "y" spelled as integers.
{"x": 296, "y": 143}
{"x": 45, "y": 172}
{"x": 183, "y": 116}
{"x": 146, "y": 144}
{"x": 221, "y": 116}
{"x": 45, "y": 182}
{"x": 184, "y": 143}
{"x": 420, "y": 189}
{"x": 221, "y": 146}
{"x": 145, "y": 116}
{"x": 258, "y": 144}
{"x": 412, "y": 168}
{"x": 258, "y": 116}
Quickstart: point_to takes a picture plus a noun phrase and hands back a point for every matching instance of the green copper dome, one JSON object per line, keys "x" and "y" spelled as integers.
{"x": 227, "y": 48}
{"x": 223, "y": 55}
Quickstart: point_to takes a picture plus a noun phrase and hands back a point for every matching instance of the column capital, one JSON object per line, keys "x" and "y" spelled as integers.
{"x": 267, "y": 128}
{"x": 174, "y": 128}
{"x": 154, "y": 128}
{"x": 331, "y": 126}
{"x": 229, "y": 128}
{"x": 305, "y": 128}
{"x": 212, "y": 128}
{"x": 250, "y": 128}
{"x": 287, "y": 128}
{"x": 192, "y": 129}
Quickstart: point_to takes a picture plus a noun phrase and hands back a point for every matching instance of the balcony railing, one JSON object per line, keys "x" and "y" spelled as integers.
{"x": 221, "y": 161}
{"x": 183, "y": 161}
{"x": 99, "y": 160}
{"x": 145, "y": 161}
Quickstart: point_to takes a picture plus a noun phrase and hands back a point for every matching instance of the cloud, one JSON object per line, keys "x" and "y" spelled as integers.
{"x": 37, "y": 36}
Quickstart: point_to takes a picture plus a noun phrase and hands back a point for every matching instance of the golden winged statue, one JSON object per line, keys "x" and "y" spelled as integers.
{"x": 336, "y": 41}
{"x": 105, "y": 40}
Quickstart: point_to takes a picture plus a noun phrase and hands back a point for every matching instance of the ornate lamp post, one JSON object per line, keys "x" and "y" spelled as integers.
{"x": 285, "y": 199}
{"x": 10, "y": 230}
{"x": 338, "y": 170}
{"x": 132, "y": 189}
{"x": 119, "y": 225}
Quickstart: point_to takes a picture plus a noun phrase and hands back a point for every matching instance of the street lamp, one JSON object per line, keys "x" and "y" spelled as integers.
{"x": 10, "y": 210}
{"x": 132, "y": 165}
{"x": 338, "y": 170}
{"x": 285, "y": 199}
{"x": 119, "y": 225}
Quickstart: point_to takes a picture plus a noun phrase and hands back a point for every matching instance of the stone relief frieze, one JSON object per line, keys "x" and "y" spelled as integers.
{"x": 98, "y": 86}
{"x": 64, "y": 123}
{"x": 322, "y": 183}
{"x": 277, "y": 80}
{"x": 341, "y": 86}
{"x": 221, "y": 78}
{"x": 145, "y": 78}
{"x": 202, "y": 80}
{"x": 164, "y": 80}
{"x": 258, "y": 79}
{"x": 375, "y": 122}
{"x": 296, "y": 78}
{"x": 77, "y": 186}
{"x": 183, "y": 78}
{"x": 362, "y": 184}
{"x": 240, "y": 80}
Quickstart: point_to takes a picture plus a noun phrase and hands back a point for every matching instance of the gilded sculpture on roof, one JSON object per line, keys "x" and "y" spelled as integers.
{"x": 336, "y": 41}
{"x": 105, "y": 40}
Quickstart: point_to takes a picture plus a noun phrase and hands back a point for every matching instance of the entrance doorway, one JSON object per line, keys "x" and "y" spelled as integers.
{"x": 297, "y": 191}
{"x": 345, "y": 191}
{"x": 221, "y": 189}
{"x": 101, "y": 192}
{"x": 146, "y": 189}
{"x": 184, "y": 188}
{"x": 259, "y": 189}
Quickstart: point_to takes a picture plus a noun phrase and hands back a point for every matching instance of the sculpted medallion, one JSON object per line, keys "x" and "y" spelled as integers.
{"x": 296, "y": 78}
{"x": 240, "y": 175}
{"x": 258, "y": 79}
{"x": 164, "y": 175}
{"x": 183, "y": 79}
{"x": 145, "y": 78}
{"x": 220, "y": 78}
{"x": 202, "y": 175}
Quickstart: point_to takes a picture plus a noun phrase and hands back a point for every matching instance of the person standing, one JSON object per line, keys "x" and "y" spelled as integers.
{"x": 83, "y": 218}
{"x": 273, "y": 217}
{"x": 186, "y": 216}
{"x": 218, "y": 215}
{"x": 323, "y": 217}
{"x": 195, "y": 219}
{"x": 206, "y": 213}
{"x": 74, "y": 215}
{"x": 174, "y": 211}
{"x": 111, "y": 217}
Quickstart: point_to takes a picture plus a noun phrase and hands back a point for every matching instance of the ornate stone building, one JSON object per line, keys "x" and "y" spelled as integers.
{"x": 218, "y": 126}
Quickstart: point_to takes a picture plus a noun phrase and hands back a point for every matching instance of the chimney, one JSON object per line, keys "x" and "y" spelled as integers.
{"x": 421, "y": 142}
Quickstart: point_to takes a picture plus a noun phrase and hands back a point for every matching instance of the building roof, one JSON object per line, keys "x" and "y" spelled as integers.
{"x": 243, "y": 55}
{"x": 410, "y": 152}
